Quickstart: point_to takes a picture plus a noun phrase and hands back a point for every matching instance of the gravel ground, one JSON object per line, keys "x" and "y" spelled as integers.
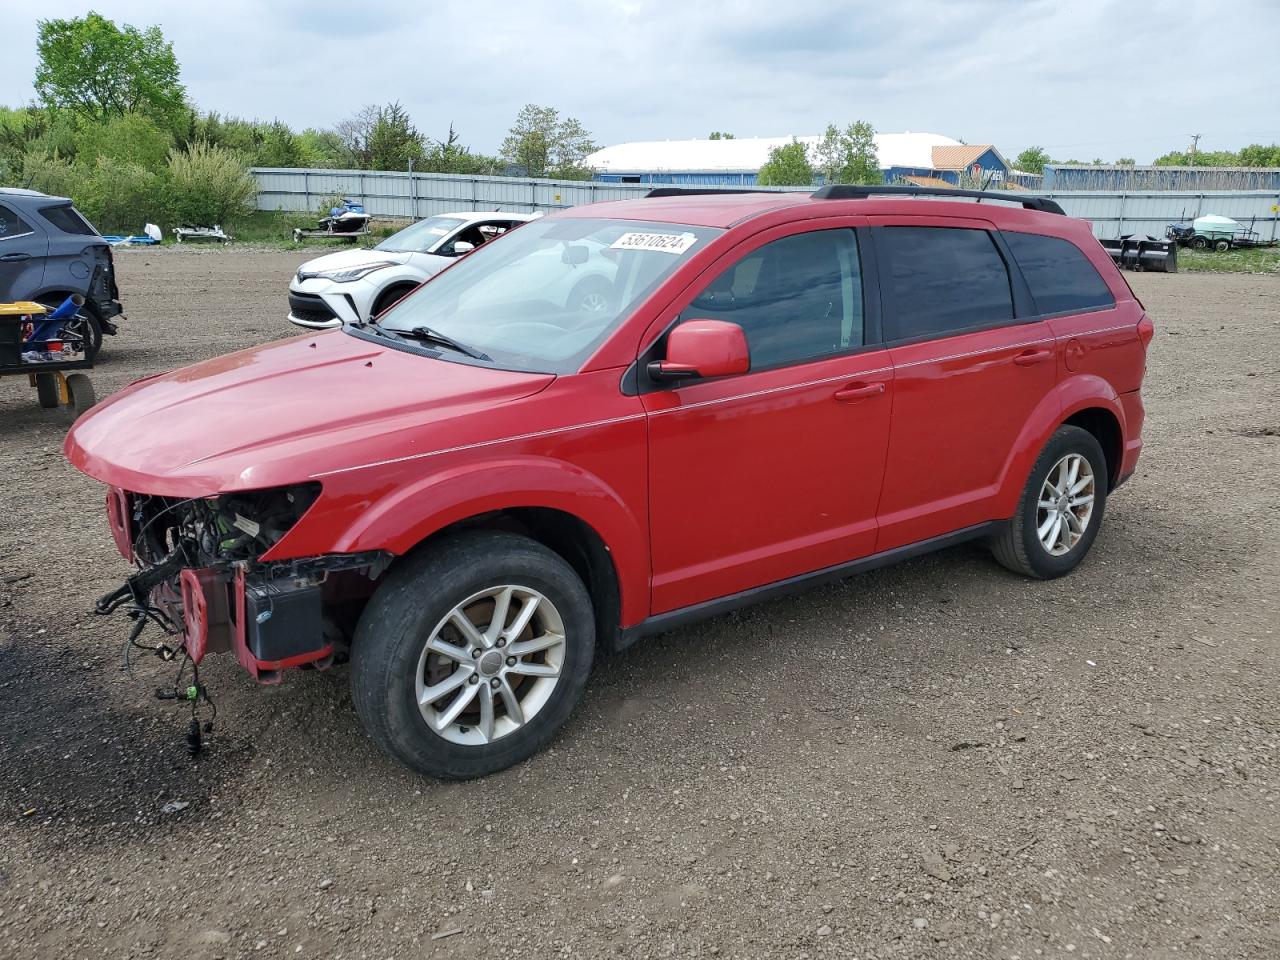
{"x": 933, "y": 760}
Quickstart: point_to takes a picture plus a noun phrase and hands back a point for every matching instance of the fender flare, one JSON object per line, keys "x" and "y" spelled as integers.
{"x": 407, "y": 516}
{"x": 1068, "y": 397}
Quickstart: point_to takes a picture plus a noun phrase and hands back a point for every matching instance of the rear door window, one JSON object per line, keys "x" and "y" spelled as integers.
{"x": 1061, "y": 278}
{"x": 797, "y": 299}
{"x": 67, "y": 219}
{"x": 12, "y": 225}
{"x": 942, "y": 280}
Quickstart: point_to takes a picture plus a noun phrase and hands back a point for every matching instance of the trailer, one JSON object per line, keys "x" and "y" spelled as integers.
{"x": 34, "y": 343}
{"x": 1212, "y": 231}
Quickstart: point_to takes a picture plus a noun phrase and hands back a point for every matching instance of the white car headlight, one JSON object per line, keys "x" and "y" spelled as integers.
{"x": 347, "y": 274}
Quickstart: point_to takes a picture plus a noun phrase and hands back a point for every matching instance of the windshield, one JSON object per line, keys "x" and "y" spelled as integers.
{"x": 420, "y": 237}
{"x": 549, "y": 294}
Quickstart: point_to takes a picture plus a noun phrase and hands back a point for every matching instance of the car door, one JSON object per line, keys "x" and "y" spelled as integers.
{"x": 24, "y": 247}
{"x": 774, "y": 473}
{"x": 969, "y": 369}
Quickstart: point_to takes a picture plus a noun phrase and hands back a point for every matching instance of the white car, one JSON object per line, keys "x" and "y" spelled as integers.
{"x": 353, "y": 286}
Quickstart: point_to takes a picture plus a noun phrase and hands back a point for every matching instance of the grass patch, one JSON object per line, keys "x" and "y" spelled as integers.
{"x": 1245, "y": 260}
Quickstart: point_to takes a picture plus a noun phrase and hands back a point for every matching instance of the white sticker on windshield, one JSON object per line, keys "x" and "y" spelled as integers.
{"x": 675, "y": 243}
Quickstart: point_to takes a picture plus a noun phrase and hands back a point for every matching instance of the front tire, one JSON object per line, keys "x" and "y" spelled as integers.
{"x": 472, "y": 654}
{"x": 1061, "y": 508}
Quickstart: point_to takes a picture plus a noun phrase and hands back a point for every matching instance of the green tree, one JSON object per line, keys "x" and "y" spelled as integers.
{"x": 320, "y": 148}
{"x": 209, "y": 185}
{"x": 1032, "y": 160}
{"x": 393, "y": 141}
{"x": 1126, "y": 162}
{"x": 1217, "y": 158}
{"x": 1256, "y": 155}
{"x": 862, "y": 165}
{"x": 450, "y": 156}
{"x": 849, "y": 155}
{"x": 787, "y": 166}
{"x": 546, "y": 145}
{"x": 720, "y": 135}
{"x": 97, "y": 70}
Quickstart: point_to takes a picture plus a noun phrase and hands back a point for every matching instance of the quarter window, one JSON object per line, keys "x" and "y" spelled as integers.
{"x": 796, "y": 299}
{"x": 1061, "y": 278}
{"x": 942, "y": 280}
{"x": 67, "y": 219}
{"x": 12, "y": 225}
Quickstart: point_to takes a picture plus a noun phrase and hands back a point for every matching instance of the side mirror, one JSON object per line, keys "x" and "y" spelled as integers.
{"x": 703, "y": 348}
{"x": 462, "y": 247}
{"x": 575, "y": 254}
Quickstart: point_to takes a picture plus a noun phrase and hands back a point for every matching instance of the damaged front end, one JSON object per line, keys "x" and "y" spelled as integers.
{"x": 203, "y": 581}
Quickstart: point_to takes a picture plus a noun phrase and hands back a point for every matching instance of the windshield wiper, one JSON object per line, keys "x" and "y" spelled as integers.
{"x": 435, "y": 336}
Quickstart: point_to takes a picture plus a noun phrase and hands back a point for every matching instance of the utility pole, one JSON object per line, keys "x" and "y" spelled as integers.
{"x": 1195, "y": 141}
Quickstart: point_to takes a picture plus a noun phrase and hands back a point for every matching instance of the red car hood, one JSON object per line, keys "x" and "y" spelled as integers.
{"x": 282, "y": 413}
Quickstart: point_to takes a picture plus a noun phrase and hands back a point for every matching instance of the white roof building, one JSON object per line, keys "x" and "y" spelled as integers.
{"x": 747, "y": 155}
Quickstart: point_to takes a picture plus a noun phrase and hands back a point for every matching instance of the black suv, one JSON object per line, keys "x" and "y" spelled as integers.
{"x": 48, "y": 251}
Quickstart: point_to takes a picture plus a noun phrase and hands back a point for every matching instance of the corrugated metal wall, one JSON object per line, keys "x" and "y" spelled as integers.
{"x": 396, "y": 194}
{"x": 387, "y": 193}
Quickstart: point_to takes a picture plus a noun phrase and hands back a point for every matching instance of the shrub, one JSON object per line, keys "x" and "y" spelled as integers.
{"x": 51, "y": 175}
{"x": 130, "y": 138}
{"x": 121, "y": 197}
{"x": 209, "y": 185}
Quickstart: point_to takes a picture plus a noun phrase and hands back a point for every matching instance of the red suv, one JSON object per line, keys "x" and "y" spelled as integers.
{"x": 470, "y": 495}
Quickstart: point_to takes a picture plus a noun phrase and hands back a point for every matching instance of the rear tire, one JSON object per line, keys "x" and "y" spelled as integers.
{"x": 433, "y": 626}
{"x": 1053, "y": 528}
{"x": 1222, "y": 246}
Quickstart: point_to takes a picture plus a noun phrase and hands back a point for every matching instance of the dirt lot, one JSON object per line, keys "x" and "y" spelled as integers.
{"x": 938, "y": 759}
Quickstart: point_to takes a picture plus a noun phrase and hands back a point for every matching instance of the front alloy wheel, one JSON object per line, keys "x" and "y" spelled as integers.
{"x": 490, "y": 665}
{"x": 472, "y": 653}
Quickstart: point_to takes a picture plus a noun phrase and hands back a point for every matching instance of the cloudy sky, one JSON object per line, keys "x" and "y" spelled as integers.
{"x": 1084, "y": 78}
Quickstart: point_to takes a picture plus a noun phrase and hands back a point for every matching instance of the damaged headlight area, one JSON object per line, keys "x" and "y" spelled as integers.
{"x": 202, "y": 579}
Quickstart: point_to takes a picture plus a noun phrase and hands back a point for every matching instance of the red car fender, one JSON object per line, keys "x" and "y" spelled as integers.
{"x": 400, "y": 520}
{"x": 1069, "y": 397}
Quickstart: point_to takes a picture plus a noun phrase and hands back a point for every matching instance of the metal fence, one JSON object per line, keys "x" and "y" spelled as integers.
{"x": 404, "y": 196}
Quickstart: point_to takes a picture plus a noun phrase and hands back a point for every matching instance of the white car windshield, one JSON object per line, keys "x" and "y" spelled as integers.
{"x": 546, "y": 296}
{"x": 421, "y": 236}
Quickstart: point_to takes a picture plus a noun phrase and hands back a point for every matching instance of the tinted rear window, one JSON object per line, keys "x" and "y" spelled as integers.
{"x": 67, "y": 219}
{"x": 1060, "y": 276}
{"x": 942, "y": 280}
{"x": 11, "y": 225}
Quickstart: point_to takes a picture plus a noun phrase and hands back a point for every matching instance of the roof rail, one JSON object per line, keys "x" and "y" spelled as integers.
{"x": 845, "y": 191}
{"x": 693, "y": 192}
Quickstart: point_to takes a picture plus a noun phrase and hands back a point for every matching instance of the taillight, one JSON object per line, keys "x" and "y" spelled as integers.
{"x": 1146, "y": 330}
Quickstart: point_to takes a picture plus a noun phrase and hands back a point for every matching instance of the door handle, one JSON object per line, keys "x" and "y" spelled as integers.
{"x": 14, "y": 257}
{"x": 1029, "y": 358}
{"x": 858, "y": 391}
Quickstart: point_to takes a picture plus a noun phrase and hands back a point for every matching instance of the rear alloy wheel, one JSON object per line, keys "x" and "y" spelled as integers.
{"x": 472, "y": 654}
{"x": 1066, "y": 503}
{"x": 1061, "y": 508}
